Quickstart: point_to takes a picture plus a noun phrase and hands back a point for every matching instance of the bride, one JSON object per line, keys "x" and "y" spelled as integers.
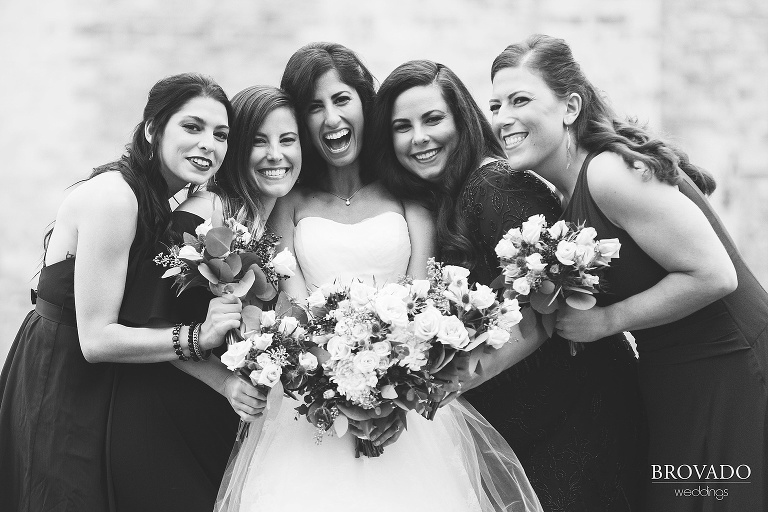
{"x": 343, "y": 225}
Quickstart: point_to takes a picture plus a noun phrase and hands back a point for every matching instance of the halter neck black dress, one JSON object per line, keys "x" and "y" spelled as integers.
{"x": 575, "y": 423}
{"x": 703, "y": 378}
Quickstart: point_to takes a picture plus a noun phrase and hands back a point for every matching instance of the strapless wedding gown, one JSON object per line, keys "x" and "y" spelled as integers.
{"x": 432, "y": 466}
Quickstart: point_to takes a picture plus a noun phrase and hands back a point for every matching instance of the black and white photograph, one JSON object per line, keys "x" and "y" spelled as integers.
{"x": 445, "y": 255}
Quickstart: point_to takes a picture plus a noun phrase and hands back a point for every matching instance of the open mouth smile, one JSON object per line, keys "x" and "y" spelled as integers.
{"x": 514, "y": 139}
{"x": 426, "y": 156}
{"x": 338, "y": 141}
{"x": 274, "y": 173}
{"x": 201, "y": 163}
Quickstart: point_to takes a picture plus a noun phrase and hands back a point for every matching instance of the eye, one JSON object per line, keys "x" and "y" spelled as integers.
{"x": 434, "y": 119}
{"x": 401, "y": 127}
{"x": 222, "y": 136}
{"x": 519, "y": 101}
{"x": 259, "y": 141}
{"x": 495, "y": 108}
{"x": 342, "y": 100}
{"x": 192, "y": 127}
{"x": 314, "y": 108}
{"x": 287, "y": 140}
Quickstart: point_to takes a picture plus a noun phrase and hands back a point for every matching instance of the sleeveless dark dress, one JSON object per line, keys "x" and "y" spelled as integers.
{"x": 55, "y": 405}
{"x": 574, "y": 422}
{"x": 171, "y": 434}
{"x": 703, "y": 378}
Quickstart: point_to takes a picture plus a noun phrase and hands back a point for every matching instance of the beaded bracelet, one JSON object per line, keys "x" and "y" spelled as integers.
{"x": 190, "y": 341}
{"x": 203, "y": 355}
{"x": 176, "y": 344}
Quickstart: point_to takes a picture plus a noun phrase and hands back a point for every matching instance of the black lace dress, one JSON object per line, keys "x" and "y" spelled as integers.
{"x": 574, "y": 422}
{"x": 171, "y": 434}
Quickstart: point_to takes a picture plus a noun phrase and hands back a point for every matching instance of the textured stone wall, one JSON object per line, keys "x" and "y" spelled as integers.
{"x": 75, "y": 76}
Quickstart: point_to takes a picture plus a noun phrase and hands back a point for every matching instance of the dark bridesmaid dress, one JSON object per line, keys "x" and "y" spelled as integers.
{"x": 703, "y": 378}
{"x": 575, "y": 422}
{"x": 171, "y": 434}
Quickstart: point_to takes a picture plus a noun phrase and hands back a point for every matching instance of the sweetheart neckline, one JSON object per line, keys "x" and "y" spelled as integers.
{"x": 349, "y": 224}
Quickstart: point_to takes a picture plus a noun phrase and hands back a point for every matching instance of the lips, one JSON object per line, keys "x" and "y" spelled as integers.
{"x": 274, "y": 173}
{"x": 426, "y": 156}
{"x": 337, "y": 141}
{"x": 514, "y": 139}
{"x": 201, "y": 163}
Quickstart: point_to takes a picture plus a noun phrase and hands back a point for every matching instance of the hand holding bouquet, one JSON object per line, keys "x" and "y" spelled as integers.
{"x": 548, "y": 264}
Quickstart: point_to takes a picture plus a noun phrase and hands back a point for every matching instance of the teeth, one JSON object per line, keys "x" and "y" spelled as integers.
{"x": 426, "y": 155}
{"x": 336, "y": 135}
{"x": 202, "y": 162}
{"x": 274, "y": 173}
{"x": 513, "y": 140}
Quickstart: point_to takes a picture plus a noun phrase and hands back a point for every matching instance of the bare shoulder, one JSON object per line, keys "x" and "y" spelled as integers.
{"x": 611, "y": 178}
{"x": 202, "y": 203}
{"x": 415, "y": 210}
{"x": 104, "y": 196}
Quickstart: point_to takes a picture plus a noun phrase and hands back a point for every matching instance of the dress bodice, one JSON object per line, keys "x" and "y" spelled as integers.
{"x": 374, "y": 250}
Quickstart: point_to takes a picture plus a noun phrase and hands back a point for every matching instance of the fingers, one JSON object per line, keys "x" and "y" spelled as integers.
{"x": 387, "y": 434}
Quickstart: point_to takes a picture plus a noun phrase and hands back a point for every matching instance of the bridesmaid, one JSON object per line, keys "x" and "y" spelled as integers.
{"x": 697, "y": 312}
{"x": 96, "y": 303}
{"x": 574, "y": 422}
{"x": 167, "y": 424}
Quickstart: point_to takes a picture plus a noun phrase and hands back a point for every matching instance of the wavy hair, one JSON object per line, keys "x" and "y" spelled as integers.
{"x": 300, "y": 77}
{"x": 598, "y": 127}
{"x": 475, "y": 141}
{"x": 140, "y": 164}
{"x": 233, "y": 183}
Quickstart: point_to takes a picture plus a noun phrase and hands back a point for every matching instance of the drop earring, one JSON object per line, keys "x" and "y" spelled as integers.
{"x": 567, "y": 149}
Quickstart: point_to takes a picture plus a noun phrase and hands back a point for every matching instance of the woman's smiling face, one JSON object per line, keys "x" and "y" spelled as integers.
{"x": 275, "y": 161}
{"x": 424, "y": 133}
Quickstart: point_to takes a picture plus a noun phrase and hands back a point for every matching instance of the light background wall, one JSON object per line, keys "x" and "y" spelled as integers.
{"x": 74, "y": 76}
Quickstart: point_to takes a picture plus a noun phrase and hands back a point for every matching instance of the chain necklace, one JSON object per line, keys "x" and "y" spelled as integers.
{"x": 347, "y": 199}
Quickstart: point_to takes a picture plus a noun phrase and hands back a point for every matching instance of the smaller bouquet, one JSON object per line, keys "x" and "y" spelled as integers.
{"x": 549, "y": 264}
{"x": 228, "y": 259}
{"x": 273, "y": 349}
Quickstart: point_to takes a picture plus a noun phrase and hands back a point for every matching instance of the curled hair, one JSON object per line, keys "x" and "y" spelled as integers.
{"x": 300, "y": 77}
{"x": 598, "y": 127}
{"x": 140, "y": 165}
{"x": 233, "y": 183}
{"x": 475, "y": 141}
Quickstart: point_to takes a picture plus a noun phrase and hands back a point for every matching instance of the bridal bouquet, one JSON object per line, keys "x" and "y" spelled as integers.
{"x": 381, "y": 346}
{"x": 549, "y": 264}
{"x": 228, "y": 259}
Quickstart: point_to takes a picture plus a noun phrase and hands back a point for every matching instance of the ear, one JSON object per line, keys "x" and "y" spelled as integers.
{"x": 572, "y": 109}
{"x": 149, "y": 131}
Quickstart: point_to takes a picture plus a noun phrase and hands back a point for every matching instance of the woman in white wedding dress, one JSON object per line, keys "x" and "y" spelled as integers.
{"x": 343, "y": 225}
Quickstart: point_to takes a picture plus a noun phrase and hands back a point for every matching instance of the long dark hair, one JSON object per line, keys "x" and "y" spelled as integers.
{"x": 233, "y": 183}
{"x": 598, "y": 127}
{"x": 300, "y": 77}
{"x": 475, "y": 142}
{"x": 140, "y": 165}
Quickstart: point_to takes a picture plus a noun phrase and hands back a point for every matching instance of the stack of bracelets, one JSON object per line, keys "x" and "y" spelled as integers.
{"x": 193, "y": 342}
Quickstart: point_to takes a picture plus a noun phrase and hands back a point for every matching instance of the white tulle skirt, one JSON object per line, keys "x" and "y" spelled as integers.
{"x": 457, "y": 462}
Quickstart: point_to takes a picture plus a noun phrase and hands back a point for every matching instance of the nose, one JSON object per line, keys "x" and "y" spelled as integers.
{"x": 504, "y": 116}
{"x": 274, "y": 154}
{"x": 206, "y": 141}
{"x": 420, "y": 136}
{"x": 332, "y": 117}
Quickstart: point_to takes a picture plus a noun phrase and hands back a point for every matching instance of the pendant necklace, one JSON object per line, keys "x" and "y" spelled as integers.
{"x": 347, "y": 199}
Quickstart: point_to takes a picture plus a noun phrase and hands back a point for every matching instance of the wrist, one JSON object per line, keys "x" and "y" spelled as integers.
{"x": 613, "y": 319}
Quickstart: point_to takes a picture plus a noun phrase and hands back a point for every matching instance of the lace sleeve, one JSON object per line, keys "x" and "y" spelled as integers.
{"x": 495, "y": 199}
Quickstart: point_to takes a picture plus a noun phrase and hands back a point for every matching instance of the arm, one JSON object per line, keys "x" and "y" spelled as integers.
{"x": 672, "y": 231}
{"x": 423, "y": 235}
{"x": 283, "y": 221}
{"x": 105, "y": 212}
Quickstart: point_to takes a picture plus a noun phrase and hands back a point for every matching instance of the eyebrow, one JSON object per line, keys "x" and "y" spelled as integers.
{"x": 202, "y": 121}
{"x": 425, "y": 114}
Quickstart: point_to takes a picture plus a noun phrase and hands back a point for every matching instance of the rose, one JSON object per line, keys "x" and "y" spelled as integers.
{"x": 511, "y": 271}
{"x": 267, "y": 376}
{"x": 452, "y": 332}
{"x": 288, "y": 325}
{"x": 262, "y": 342}
{"x": 506, "y": 249}
{"x": 189, "y": 253}
{"x": 267, "y": 319}
{"x": 585, "y": 254}
{"x": 559, "y": 229}
{"x": 531, "y": 228}
{"x": 590, "y": 280}
{"x": 392, "y": 310}
{"x": 308, "y": 360}
{"x": 534, "y": 262}
{"x": 321, "y": 339}
{"x": 420, "y": 288}
{"x": 317, "y": 299}
{"x": 284, "y": 263}
{"x": 338, "y": 348}
{"x": 343, "y": 326}
{"x": 509, "y": 313}
{"x": 360, "y": 294}
{"x": 382, "y": 348}
{"x": 522, "y": 286}
{"x": 396, "y": 290}
{"x": 360, "y": 332}
{"x": 482, "y": 296}
{"x": 366, "y": 361}
{"x": 514, "y": 235}
{"x": 453, "y": 273}
{"x": 328, "y": 394}
{"x": 235, "y": 355}
{"x": 427, "y": 323}
{"x": 497, "y": 337}
{"x": 203, "y": 228}
{"x": 328, "y": 288}
{"x": 264, "y": 360}
{"x": 586, "y": 236}
{"x": 609, "y": 249}
{"x": 566, "y": 252}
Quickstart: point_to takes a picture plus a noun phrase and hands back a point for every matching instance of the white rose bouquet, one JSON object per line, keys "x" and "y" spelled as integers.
{"x": 383, "y": 345}
{"x": 544, "y": 265}
{"x": 228, "y": 259}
